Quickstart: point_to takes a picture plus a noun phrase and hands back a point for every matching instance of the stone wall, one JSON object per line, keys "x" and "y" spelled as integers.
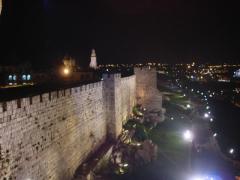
{"x": 128, "y": 96}
{"x": 120, "y": 95}
{"x": 147, "y": 93}
{"x": 48, "y": 136}
{"x": 146, "y": 86}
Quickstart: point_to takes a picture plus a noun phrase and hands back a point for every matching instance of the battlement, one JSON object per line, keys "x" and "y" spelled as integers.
{"x": 45, "y": 97}
{"x": 48, "y": 135}
{"x": 111, "y": 76}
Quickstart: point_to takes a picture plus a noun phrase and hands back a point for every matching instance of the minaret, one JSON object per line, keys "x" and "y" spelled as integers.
{"x": 93, "y": 63}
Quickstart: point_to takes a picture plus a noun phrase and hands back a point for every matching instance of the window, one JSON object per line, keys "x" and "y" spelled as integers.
{"x": 24, "y": 77}
{"x": 29, "y": 77}
{"x": 10, "y": 77}
{"x": 14, "y": 77}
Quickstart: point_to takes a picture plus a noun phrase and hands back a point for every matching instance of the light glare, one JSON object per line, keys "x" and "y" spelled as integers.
{"x": 187, "y": 135}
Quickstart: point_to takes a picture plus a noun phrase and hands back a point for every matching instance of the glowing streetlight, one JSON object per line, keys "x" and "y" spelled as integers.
{"x": 202, "y": 178}
{"x": 207, "y": 107}
{"x": 197, "y": 178}
{"x": 231, "y": 151}
{"x": 211, "y": 119}
{"x": 66, "y": 71}
{"x": 215, "y": 135}
{"x": 188, "y": 136}
{"x": 188, "y": 106}
{"x": 206, "y": 115}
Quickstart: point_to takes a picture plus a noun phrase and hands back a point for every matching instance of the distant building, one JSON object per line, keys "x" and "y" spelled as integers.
{"x": 69, "y": 63}
{"x": 93, "y": 63}
{"x": 236, "y": 74}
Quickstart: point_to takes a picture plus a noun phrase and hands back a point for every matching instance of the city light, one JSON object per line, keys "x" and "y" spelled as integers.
{"x": 206, "y": 115}
{"x": 188, "y": 136}
{"x": 188, "y": 106}
{"x": 215, "y": 135}
{"x": 231, "y": 151}
{"x": 211, "y": 119}
{"x": 66, "y": 71}
{"x": 207, "y": 107}
{"x": 197, "y": 178}
{"x": 205, "y": 177}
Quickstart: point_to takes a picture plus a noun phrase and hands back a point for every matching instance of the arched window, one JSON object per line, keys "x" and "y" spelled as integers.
{"x": 24, "y": 77}
{"x": 29, "y": 77}
{"x": 14, "y": 77}
{"x": 10, "y": 77}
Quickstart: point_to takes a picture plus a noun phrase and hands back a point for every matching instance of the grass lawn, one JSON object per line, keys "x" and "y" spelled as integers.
{"x": 169, "y": 140}
{"x": 172, "y": 154}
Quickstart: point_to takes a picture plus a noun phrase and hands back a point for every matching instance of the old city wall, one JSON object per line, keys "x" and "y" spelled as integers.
{"x": 128, "y": 96}
{"x": 146, "y": 85}
{"x": 48, "y": 136}
{"x": 120, "y": 95}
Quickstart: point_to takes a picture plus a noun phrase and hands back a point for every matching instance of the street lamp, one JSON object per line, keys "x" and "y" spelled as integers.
{"x": 206, "y": 115}
{"x": 66, "y": 71}
{"x": 231, "y": 151}
{"x": 188, "y": 136}
{"x": 188, "y": 106}
{"x": 197, "y": 178}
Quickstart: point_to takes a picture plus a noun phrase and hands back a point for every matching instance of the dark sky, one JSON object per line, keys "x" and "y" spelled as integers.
{"x": 121, "y": 31}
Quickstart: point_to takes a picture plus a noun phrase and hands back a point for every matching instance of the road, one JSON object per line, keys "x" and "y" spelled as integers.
{"x": 206, "y": 157}
{"x": 210, "y": 159}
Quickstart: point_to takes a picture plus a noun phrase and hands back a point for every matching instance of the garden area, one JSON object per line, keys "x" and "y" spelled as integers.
{"x": 146, "y": 150}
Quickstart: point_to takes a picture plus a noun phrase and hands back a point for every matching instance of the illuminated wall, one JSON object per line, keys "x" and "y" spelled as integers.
{"x": 120, "y": 98}
{"x": 147, "y": 93}
{"x": 146, "y": 84}
{"x": 48, "y": 136}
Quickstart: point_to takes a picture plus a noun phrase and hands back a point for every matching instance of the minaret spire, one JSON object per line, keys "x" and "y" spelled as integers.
{"x": 93, "y": 63}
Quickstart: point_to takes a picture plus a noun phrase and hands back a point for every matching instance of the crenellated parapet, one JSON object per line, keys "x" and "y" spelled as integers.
{"x": 45, "y": 97}
{"x": 47, "y": 136}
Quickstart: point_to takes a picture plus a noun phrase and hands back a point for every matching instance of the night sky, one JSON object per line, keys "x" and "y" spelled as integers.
{"x": 121, "y": 31}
